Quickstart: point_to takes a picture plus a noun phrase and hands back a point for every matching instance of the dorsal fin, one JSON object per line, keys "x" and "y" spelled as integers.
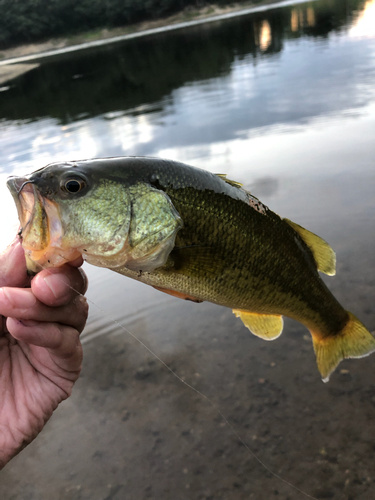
{"x": 228, "y": 181}
{"x": 324, "y": 256}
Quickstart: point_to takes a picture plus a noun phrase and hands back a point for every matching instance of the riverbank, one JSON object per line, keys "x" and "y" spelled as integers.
{"x": 188, "y": 17}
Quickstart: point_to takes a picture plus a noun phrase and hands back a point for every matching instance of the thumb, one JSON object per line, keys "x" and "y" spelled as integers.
{"x": 13, "y": 266}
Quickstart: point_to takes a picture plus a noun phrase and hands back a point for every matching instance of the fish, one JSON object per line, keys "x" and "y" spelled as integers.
{"x": 191, "y": 234}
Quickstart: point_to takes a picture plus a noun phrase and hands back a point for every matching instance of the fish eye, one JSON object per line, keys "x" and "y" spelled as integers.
{"x": 73, "y": 185}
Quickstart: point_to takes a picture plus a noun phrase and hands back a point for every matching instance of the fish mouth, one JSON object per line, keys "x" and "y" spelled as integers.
{"x": 23, "y": 195}
{"x": 31, "y": 213}
{"x": 41, "y": 228}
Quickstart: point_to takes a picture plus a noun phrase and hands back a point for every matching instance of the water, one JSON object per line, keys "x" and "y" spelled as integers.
{"x": 284, "y": 102}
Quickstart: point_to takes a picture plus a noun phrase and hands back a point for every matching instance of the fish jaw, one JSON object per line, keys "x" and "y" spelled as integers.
{"x": 24, "y": 208}
{"x": 41, "y": 228}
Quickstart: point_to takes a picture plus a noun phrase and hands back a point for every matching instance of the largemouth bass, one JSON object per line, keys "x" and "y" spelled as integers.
{"x": 192, "y": 234}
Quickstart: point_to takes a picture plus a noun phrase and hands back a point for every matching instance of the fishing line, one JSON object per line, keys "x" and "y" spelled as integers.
{"x": 203, "y": 396}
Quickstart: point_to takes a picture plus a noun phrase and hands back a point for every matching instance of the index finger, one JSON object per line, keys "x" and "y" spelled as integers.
{"x": 59, "y": 286}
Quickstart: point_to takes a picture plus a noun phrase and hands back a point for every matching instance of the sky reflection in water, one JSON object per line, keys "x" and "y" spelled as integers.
{"x": 290, "y": 103}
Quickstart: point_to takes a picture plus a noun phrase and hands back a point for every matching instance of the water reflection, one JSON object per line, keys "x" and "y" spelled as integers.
{"x": 123, "y": 77}
{"x": 263, "y": 91}
{"x": 301, "y": 18}
{"x": 263, "y": 34}
{"x": 364, "y": 25}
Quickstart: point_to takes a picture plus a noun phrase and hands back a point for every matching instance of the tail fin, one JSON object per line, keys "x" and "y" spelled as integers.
{"x": 354, "y": 341}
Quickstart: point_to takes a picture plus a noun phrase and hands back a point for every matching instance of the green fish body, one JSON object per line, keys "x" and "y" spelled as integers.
{"x": 194, "y": 235}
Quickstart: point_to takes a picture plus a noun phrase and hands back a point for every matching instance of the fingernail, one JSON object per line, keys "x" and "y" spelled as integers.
{"x": 58, "y": 284}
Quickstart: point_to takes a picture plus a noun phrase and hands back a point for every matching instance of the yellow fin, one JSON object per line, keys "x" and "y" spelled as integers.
{"x": 264, "y": 326}
{"x": 354, "y": 341}
{"x": 228, "y": 181}
{"x": 324, "y": 256}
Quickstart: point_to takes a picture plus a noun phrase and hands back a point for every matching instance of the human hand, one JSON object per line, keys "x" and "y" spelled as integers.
{"x": 40, "y": 350}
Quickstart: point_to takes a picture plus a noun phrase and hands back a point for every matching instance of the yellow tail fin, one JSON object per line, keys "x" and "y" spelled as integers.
{"x": 354, "y": 341}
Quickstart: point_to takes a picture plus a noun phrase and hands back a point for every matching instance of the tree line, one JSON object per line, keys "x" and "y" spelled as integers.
{"x": 25, "y": 21}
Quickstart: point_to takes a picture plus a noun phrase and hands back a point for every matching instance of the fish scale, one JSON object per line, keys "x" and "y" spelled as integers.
{"x": 194, "y": 235}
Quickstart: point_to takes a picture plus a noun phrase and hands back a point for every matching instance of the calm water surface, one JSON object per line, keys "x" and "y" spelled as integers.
{"x": 284, "y": 102}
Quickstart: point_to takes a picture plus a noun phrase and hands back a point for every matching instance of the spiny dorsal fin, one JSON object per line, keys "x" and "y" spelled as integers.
{"x": 228, "y": 181}
{"x": 265, "y": 326}
{"x": 324, "y": 256}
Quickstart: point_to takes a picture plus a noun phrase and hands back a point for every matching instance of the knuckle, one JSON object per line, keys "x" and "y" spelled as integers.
{"x": 82, "y": 310}
{"x": 82, "y": 305}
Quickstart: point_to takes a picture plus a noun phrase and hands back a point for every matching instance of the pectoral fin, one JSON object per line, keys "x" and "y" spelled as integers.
{"x": 178, "y": 295}
{"x": 265, "y": 326}
{"x": 324, "y": 256}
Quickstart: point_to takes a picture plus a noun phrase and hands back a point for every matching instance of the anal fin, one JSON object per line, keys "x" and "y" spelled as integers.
{"x": 179, "y": 295}
{"x": 265, "y": 326}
